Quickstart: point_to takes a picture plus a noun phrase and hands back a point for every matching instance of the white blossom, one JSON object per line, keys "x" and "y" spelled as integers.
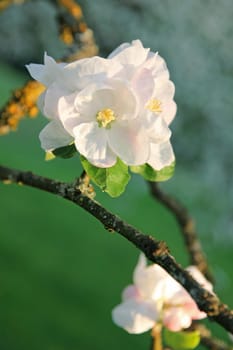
{"x": 155, "y": 297}
{"x": 115, "y": 107}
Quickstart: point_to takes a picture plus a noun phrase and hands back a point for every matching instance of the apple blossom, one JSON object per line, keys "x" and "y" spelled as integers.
{"x": 156, "y": 298}
{"x": 118, "y": 107}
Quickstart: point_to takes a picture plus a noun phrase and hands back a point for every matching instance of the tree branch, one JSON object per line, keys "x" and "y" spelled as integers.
{"x": 156, "y": 251}
{"x": 187, "y": 226}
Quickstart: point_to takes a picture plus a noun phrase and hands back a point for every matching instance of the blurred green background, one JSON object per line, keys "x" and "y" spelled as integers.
{"x": 61, "y": 273}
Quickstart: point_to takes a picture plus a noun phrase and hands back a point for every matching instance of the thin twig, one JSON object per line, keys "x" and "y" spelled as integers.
{"x": 156, "y": 334}
{"x": 156, "y": 251}
{"x": 209, "y": 341}
{"x": 187, "y": 226}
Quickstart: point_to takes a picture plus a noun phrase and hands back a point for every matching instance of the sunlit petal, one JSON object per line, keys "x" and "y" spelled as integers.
{"x": 161, "y": 155}
{"x": 53, "y": 136}
{"x": 134, "y": 316}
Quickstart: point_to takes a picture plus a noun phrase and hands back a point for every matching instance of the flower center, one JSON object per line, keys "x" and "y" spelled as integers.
{"x": 105, "y": 117}
{"x": 154, "y": 105}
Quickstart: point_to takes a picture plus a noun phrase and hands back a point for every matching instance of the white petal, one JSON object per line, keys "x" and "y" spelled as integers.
{"x": 150, "y": 280}
{"x": 47, "y": 73}
{"x": 157, "y": 128}
{"x": 164, "y": 90}
{"x": 174, "y": 292}
{"x": 91, "y": 142}
{"x": 169, "y": 111}
{"x": 54, "y": 136}
{"x": 161, "y": 155}
{"x": 134, "y": 54}
{"x": 143, "y": 84}
{"x": 40, "y": 101}
{"x": 118, "y": 50}
{"x": 129, "y": 142}
{"x": 51, "y": 99}
{"x": 67, "y": 112}
{"x": 135, "y": 317}
{"x": 123, "y": 100}
{"x": 113, "y": 94}
{"x": 79, "y": 74}
{"x": 157, "y": 65}
{"x": 87, "y": 66}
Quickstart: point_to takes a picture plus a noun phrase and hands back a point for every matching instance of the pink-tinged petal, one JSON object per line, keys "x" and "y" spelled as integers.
{"x": 91, "y": 142}
{"x": 176, "y": 319}
{"x": 198, "y": 276}
{"x": 182, "y": 298}
{"x": 157, "y": 128}
{"x": 169, "y": 111}
{"x": 134, "y": 54}
{"x": 161, "y": 155}
{"x": 54, "y": 136}
{"x": 129, "y": 142}
{"x": 45, "y": 73}
{"x": 143, "y": 85}
{"x": 131, "y": 292}
{"x": 191, "y": 308}
{"x": 134, "y": 316}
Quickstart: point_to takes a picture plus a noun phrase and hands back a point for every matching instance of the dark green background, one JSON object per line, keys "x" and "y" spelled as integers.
{"x": 61, "y": 272}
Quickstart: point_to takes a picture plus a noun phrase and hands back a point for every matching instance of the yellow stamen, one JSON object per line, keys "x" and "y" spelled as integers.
{"x": 105, "y": 117}
{"x": 154, "y": 105}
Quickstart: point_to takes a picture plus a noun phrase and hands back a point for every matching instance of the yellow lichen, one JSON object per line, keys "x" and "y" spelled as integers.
{"x": 66, "y": 35}
{"x": 22, "y": 103}
{"x": 72, "y": 7}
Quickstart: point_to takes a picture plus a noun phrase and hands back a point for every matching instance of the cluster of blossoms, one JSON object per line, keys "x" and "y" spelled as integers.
{"x": 156, "y": 298}
{"x": 119, "y": 107}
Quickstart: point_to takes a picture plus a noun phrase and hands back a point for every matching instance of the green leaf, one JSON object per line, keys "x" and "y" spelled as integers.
{"x": 182, "y": 340}
{"x": 112, "y": 180}
{"x": 154, "y": 175}
{"x": 65, "y": 152}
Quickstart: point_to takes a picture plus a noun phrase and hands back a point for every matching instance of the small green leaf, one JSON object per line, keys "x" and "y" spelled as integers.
{"x": 112, "y": 180}
{"x": 182, "y": 340}
{"x": 65, "y": 152}
{"x": 154, "y": 175}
